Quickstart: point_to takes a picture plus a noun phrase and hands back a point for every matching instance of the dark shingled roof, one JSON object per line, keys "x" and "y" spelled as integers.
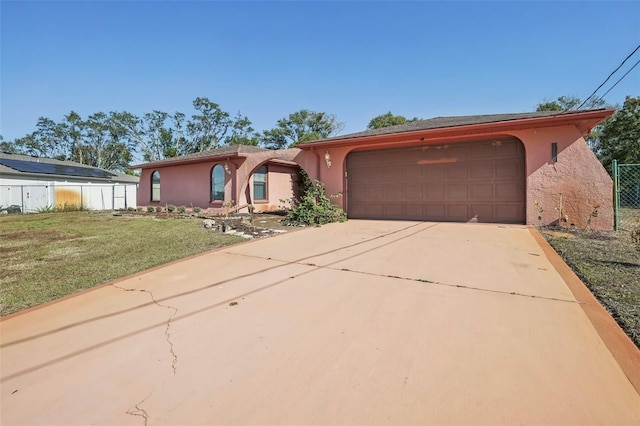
{"x": 117, "y": 177}
{"x": 212, "y": 153}
{"x": 443, "y": 122}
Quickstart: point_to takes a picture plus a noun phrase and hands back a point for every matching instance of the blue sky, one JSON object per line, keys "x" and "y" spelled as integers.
{"x": 269, "y": 59}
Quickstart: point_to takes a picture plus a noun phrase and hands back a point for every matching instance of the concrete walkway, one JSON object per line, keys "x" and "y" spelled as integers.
{"x": 363, "y": 322}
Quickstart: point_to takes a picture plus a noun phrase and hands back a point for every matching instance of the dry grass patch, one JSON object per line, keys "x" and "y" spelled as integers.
{"x": 46, "y": 256}
{"x": 609, "y": 264}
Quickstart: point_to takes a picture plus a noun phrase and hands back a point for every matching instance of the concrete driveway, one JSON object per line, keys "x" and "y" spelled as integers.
{"x": 363, "y": 322}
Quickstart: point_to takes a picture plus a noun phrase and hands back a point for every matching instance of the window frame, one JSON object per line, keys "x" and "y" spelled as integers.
{"x": 265, "y": 183}
{"x": 155, "y": 192}
{"x": 212, "y": 180}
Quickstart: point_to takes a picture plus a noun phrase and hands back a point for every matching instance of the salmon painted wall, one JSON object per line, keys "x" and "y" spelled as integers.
{"x": 577, "y": 175}
{"x": 282, "y": 183}
{"x": 190, "y": 185}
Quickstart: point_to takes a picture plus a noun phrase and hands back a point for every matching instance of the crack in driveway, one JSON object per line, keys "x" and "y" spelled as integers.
{"x": 137, "y": 411}
{"x": 167, "y": 330}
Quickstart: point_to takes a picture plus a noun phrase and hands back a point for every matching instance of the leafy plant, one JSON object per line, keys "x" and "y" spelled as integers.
{"x": 46, "y": 209}
{"x": 314, "y": 208}
{"x": 171, "y": 208}
{"x": 139, "y": 209}
{"x": 182, "y": 209}
{"x": 158, "y": 209}
{"x": 150, "y": 209}
{"x": 197, "y": 209}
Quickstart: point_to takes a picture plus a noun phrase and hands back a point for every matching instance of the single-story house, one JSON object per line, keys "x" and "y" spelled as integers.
{"x": 223, "y": 179}
{"x": 527, "y": 168}
{"x": 35, "y": 183}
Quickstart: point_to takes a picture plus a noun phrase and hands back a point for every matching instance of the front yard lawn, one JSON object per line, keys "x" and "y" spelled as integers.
{"x": 46, "y": 256}
{"x": 609, "y": 264}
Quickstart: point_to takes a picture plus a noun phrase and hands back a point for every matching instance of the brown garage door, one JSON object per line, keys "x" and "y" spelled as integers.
{"x": 480, "y": 181}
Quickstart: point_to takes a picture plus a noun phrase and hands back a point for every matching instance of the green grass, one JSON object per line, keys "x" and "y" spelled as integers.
{"x": 46, "y": 256}
{"x": 609, "y": 264}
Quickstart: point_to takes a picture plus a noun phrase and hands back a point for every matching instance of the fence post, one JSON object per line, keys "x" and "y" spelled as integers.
{"x": 616, "y": 196}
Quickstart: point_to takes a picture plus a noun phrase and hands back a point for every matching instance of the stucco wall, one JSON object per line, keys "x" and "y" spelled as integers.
{"x": 190, "y": 185}
{"x": 282, "y": 183}
{"x": 577, "y": 177}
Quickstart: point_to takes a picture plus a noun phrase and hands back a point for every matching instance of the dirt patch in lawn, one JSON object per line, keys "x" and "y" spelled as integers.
{"x": 609, "y": 265}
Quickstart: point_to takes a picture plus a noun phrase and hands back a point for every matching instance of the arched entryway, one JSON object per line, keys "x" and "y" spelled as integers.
{"x": 481, "y": 181}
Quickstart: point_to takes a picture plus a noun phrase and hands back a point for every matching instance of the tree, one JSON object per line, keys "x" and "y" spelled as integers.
{"x": 107, "y": 144}
{"x": 241, "y": 132}
{"x": 388, "y": 119}
{"x": 567, "y": 103}
{"x": 301, "y": 126}
{"x": 7, "y": 147}
{"x": 619, "y": 138}
{"x": 207, "y": 129}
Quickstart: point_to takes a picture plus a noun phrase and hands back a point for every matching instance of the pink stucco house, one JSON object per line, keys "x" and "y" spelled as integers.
{"x": 211, "y": 179}
{"x": 526, "y": 168}
{"x": 531, "y": 168}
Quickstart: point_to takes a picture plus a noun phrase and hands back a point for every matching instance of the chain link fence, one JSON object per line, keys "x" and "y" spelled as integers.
{"x": 626, "y": 193}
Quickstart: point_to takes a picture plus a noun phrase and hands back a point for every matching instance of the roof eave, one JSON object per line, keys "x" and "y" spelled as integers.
{"x": 584, "y": 121}
{"x": 176, "y": 162}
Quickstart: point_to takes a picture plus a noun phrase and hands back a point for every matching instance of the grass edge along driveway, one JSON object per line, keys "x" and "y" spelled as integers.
{"x": 50, "y": 255}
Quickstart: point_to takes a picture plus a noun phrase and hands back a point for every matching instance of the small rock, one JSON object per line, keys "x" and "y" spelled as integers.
{"x": 279, "y": 231}
{"x": 246, "y": 236}
{"x": 208, "y": 223}
{"x": 231, "y": 232}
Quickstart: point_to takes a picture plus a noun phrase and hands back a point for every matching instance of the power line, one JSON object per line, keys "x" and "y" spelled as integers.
{"x": 607, "y": 79}
{"x": 621, "y": 78}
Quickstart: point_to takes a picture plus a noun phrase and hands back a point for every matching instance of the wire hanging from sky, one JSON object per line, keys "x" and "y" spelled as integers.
{"x": 607, "y": 79}
{"x": 620, "y": 79}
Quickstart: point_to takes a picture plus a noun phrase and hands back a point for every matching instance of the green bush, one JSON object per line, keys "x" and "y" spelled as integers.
{"x": 182, "y": 209}
{"x": 197, "y": 209}
{"x": 150, "y": 209}
{"x": 139, "y": 209}
{"x": 313, "y": 208}
{"x": 158, "y": 209}
{"x": 171, "y": 208}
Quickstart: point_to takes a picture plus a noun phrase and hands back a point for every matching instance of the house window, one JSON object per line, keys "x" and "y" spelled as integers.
{"x": 155, "y": 186}
{"x": 260, "y": 184}
{"x": 217, "y": 183}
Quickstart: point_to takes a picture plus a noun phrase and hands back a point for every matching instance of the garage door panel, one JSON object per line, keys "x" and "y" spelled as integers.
{"x": 412, "y": 211}
{"x": 481, "y": 191}
{"x": 458, "y": 212}
{"x": 413, "y": 192}
{"x": 373, "y": 193}
{"x": 457, "y": 171}
{"x": 508, "y": 191}
{"x": 393, "y": 192}
{"x": 457, "y": 192}
{"x": 481, "y": 170}
{"x": 436, "y": 211}
{"x": 483, "y": 181}
{"x": 435, "y": 192}
{"x": 482, "y": 212}
{"x": 435, "y": 172}
{"x": 505, "y": 170}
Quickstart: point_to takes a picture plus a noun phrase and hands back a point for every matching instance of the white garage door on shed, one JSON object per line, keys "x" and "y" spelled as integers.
{"x": 480, "y": 181}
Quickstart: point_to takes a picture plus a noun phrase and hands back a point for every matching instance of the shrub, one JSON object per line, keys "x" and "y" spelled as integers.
{"x": 171, "y": 208}
{"x": 150, "y": 209}
{"x": 158, "y": 209}
{"x": 69, "y": 207}
{"x": 182, "y": 209}
{"x": 139, "y": 209}
{"x": 314, "y": 208}
{"x": 131, "y": 209}
{"x": 197, "y": 209}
